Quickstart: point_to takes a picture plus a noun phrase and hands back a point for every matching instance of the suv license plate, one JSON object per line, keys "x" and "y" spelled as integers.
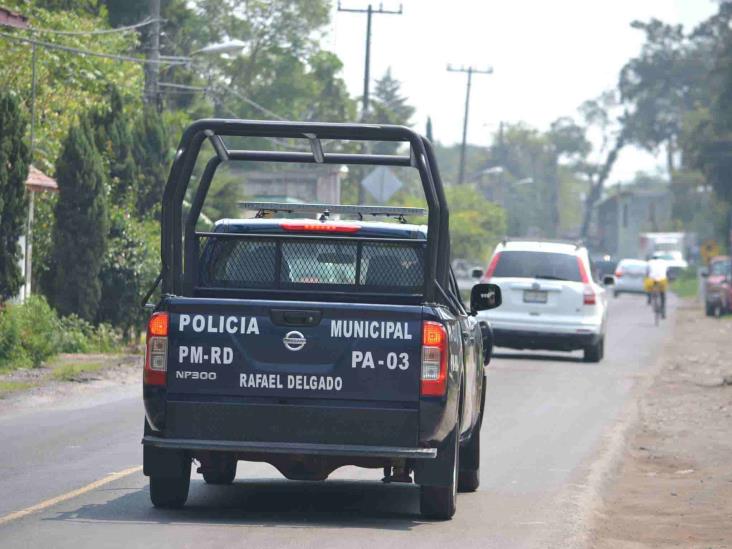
{"x": 534, "y": 296}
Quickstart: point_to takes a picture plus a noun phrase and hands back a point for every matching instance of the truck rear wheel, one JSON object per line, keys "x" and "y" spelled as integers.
{"x": 439, "y": 502}
{"x": 171, "y": 492}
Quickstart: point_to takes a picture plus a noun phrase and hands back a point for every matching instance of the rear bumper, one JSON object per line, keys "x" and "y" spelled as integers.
{"x": 523, "y": 339}
{"x": 320, "y": 423}
{"x": 343, "y": 450}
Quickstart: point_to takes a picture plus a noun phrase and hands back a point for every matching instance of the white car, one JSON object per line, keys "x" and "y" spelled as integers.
{"x": 630, "y": 275}
{"x": 550, "y": 299}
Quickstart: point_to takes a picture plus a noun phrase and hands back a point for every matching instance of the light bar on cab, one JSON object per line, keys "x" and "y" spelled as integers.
{"x": 389, "y": 211}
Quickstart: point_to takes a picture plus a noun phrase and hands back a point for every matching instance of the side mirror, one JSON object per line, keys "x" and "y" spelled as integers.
{"x": 704, "y": 273}
{"x": 476, "y": 273}
{"x": 608, "y": 280}
{"x": 484, "y": 297}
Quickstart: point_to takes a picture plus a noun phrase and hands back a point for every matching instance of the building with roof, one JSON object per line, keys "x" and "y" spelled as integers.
{"x": 622, "y": 216}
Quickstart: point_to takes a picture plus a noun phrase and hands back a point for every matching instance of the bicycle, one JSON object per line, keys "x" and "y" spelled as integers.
{"x": 657, "y": 302}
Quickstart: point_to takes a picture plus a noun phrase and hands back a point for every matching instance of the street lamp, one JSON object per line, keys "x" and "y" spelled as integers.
{"x": 229, "y": 46}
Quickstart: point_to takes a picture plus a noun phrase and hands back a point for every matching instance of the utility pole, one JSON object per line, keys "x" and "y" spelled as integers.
{"x": 369, "y": 11}
{"x": 470, "y": 70}
{"x": 152, "y": 73}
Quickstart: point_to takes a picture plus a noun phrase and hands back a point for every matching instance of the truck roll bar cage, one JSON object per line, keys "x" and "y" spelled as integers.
{"x": 175, "y": 235}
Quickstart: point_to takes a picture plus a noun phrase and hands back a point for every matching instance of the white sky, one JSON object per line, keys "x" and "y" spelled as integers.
{"x": 548, "y": 56}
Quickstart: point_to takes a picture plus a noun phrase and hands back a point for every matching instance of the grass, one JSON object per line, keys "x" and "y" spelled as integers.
{"x": 7, "y": 387}
{"x": 73, "y": 372}
{"x": 686, "y": 285}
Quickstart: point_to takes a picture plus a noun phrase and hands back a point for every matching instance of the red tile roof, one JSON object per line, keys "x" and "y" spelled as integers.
{"x": 38, "y": 181}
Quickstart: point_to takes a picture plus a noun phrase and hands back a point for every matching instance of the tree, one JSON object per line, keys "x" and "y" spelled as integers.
{"x": 389, "y": 107}
{"x": 129, "y": 266}
{"x": 113, "y": 139}
{"x": 601, "y": 114}
{"x": 82, "y": 225}
{"x": 660, "y": 86}
{"x": 14, "y": 161}
{"x": 150, "y": 153}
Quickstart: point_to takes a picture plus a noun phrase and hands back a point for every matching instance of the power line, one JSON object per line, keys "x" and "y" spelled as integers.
{"x": 80, "y": 51}
{"x": 470, "y": 70}
{"x": 94, "y": 32}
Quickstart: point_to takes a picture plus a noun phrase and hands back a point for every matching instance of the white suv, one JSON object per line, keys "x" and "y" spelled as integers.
{"x": 550, "y": 299}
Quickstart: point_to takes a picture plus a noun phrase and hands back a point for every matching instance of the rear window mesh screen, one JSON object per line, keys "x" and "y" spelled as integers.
{"x": 301, "y": 263}
{"x": 390, "y": 265}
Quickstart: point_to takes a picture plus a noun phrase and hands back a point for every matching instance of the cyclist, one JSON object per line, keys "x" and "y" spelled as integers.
{"x": 656, "y": 274}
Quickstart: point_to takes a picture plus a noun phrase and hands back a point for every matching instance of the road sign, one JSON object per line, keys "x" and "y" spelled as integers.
{"x": 708, "y": 250}
{"x": 381, "y": 183}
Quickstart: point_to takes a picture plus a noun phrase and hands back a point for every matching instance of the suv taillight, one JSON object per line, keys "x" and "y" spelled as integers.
{"x": 588, "y": 295}
{"x": 491, "y": 267}
{"x": 434, "y": 359}
{"x": 156, "y": 354}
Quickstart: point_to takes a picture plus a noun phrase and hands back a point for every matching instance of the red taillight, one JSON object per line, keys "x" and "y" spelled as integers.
{"x": 491, "y": 266}
{"x": 588, "y": 295}
{"x": 156, "y": 353}
{"x": 320, "y": 227}
{"x": 582, "y": 270}
{"x": 434, "y": 359}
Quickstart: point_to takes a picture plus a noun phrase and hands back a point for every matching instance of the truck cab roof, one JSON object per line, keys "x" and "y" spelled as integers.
{"x": 370, "y": 229}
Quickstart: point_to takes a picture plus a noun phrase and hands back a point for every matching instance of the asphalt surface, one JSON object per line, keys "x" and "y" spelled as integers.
{"x": 549, "y": 422}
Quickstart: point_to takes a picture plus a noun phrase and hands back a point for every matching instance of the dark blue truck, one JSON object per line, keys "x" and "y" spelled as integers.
{"x": 312, "y": 341}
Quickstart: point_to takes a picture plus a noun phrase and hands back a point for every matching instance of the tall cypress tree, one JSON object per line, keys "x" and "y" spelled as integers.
{"x": 14, "y": 160}
{"x": 82, "y": 225}
{"x": 113, "y": 139}
{"x": 151, "y": 157}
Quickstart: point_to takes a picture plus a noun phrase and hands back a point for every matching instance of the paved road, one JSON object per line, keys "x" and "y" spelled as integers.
{"x": 548, "y": 419}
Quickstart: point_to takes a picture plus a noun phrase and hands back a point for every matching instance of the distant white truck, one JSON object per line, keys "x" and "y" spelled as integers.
{"x": 668, "y": 247}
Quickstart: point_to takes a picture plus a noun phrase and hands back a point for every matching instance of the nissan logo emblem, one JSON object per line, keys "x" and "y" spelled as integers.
{"x": 294, "y": 341}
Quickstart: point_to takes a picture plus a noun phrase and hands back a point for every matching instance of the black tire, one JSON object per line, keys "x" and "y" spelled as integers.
{"x": 595, "y": 352}
{"x": 225, "y": 474}
{"x": 709, "y": 309}
{"x": 171, "y": 492}
{"x": 439, "y": 502}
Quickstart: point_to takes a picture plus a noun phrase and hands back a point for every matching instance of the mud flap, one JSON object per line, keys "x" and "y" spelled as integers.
{"x": 439, "y": 471}
{"x": 164, "y": 462}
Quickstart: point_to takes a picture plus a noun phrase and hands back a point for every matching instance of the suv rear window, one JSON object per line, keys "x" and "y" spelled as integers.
{"x": 548, "y": 265}
{"x": 318, "y": 264}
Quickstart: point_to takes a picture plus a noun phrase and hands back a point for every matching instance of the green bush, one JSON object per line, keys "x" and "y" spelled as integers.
{"x": 32, "y": 333}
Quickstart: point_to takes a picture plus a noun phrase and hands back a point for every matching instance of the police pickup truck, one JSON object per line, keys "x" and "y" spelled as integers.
{"x": 308, "y": 337}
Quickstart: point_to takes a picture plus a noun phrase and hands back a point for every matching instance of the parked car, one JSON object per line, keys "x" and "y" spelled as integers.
{"x": 550, "y": 298}
{"x": 718, "y": 286}
{"x": 629, "y": 277}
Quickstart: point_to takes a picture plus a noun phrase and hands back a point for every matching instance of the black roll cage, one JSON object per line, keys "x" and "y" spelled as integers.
{"x": 175, "y": 236}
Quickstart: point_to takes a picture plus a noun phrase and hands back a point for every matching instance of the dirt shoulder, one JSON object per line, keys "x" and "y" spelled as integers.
{"x": 68, "y": 376}
{"x": 673, "y": 485}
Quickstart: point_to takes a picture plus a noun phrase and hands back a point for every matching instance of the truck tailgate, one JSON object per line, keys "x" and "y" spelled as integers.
{"x": 284, "y": 350}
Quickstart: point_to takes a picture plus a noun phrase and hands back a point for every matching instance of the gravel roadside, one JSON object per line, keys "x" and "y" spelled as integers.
{"x": 67, "y": 377}
{"x": 673, "y": 484}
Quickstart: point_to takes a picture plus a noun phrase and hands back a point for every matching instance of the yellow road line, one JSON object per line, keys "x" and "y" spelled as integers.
{"x": 69, "y": 495}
